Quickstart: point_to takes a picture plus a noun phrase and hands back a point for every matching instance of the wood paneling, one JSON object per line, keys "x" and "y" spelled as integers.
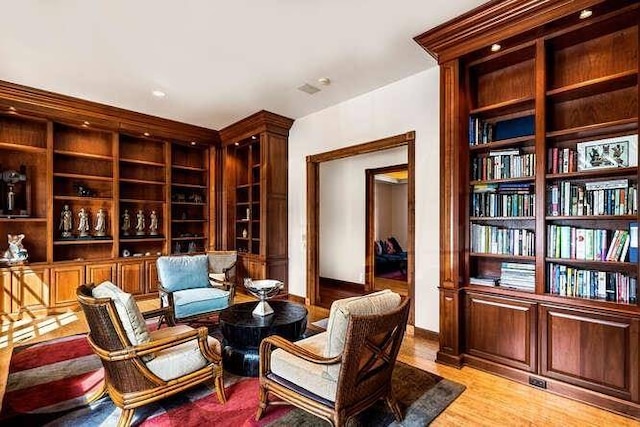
{"x": 98, "y": 273}
{"x": 131, "y": 276}
{"x": 31, "y": 286}
{"x": 449, "y": 331}
{"x": 64, "y": 282}
{"x": 591, "y": 350}
{"x": 502, "y": 330}
{"x": 151, "y": 276}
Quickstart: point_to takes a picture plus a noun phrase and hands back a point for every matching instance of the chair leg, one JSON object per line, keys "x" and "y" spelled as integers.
{"x": 219, "y": 382}
{"x": 125, "y": 418}
{"x": 394, "y": 407}
{"x": 263, "y": 401}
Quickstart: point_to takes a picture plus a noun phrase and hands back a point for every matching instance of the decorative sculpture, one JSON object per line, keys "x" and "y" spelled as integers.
{"x": 153, "y": 223}
{"x": 264, "y": 290}
{"x": 16, "y": 252}
{"x": 126, "y": 223}
{"x": 101, "y": 223}
{"x": 83, "y": 191}
{"x": 191, "y": 248}
{"x": 140, "y": 223}
{"x": 83, "y": 225}
{"x": 15, "y": 190}
{"x": 66, "y": 222}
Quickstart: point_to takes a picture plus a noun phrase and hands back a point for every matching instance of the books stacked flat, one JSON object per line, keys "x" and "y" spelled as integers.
{"x": 518, "y": 275}
{"x": 483, "y": 281}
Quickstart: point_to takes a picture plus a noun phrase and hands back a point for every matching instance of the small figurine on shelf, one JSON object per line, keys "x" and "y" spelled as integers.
{"x": 16, "y": 253}
{"x": 66, "y": 222}
{"x": 153, "y": 223}
{"x": 83, "y": 225}
{"x": 126, "y": 223}
{"x": 195, "y": 198}
{"x": 178, "y": 248}
{"x": 184, "y": 215}
{"x": 82, "y": 190}
{"x": 244, "y": 233}
{"x": 248, "y": 217}
{"x": 140, "y": 223}
{"x": 101, "y": 223}
{"x": 192, "y": 247}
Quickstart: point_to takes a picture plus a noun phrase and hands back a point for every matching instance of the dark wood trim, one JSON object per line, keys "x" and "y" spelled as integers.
{"x": 343, "y": 285}
{"x": 426, "y": 334}
{"x": 75, "y": 111}
{"x": 313, "y": 214}
{"x": 262, "y": 121}
{"x": 370, "y": 203}
{"x": 492, "y": 22}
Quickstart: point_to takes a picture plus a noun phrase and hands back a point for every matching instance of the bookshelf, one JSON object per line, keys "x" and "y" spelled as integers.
{"x": 539, "y": 204}
{"x": 102, "y": 160}
{"x": 255, "y": 194}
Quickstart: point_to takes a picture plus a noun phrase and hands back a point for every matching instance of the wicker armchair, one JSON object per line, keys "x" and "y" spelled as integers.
{"x": 339, "y": 373}
{"x": 222, "y": 267}
{"x": 186, "y": 289}
{"x": 172, "y": 360}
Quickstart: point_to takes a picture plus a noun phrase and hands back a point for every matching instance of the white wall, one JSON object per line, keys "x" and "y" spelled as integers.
{"x": 409, "y": 104}
{"x": 343, "y": 212}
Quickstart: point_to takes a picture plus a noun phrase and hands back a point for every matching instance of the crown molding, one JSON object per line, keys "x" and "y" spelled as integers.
{"x": 492, "y": 22}
{"x": 262, "y": 121}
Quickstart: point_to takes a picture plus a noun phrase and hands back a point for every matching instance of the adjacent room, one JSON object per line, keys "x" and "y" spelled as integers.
{"x": 338, "y": 213}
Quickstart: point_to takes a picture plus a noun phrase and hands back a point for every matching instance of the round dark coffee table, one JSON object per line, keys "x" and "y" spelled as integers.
{"x": 243, "y": 332}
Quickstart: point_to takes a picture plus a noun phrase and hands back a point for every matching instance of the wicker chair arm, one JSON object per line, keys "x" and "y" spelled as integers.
{"x": 156, "y": 313}
{"x": 231, "y": 267}
{"x": 296, "y": 350}
{"x": 141, "y": 350}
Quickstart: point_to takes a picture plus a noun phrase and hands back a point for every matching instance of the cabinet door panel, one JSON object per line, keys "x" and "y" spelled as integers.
{"x": 151, "y": 271}
{"x": 502, "y": 330}
{"x": 98, "y": 273}
{"x": 131, "y": 277}
{"x": 7, "y": 301}
{"x": 591, "y": 350}
{"x": 64, "y": 282}
{"x": 32, "y": 285}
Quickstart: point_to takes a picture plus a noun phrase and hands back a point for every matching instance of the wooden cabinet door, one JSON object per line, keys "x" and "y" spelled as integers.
{"x": 151, "y": 272}
{"x": 64, "y": 282}
{"x": 98, "y": 273}
{"x": 131, "y": 277}
{"x": 31, "y": 287}
{"x": 501, "y": 330}
{"x": 252, "y": 267}
{"x": 591, "y": 350}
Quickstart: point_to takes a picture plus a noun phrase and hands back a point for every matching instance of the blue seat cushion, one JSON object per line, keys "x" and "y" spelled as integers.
{"x": 192, "y": 302}
{"x": 183, "y": 272}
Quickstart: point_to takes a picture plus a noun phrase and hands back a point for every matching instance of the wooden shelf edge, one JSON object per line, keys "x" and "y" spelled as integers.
{"x": 83, "y": 155}
{"x": 22, "y": 147}
{"x": 22, "y": 219}
{"x": 498, "y": 181}
{"x": 609, "y": 172}
{"x": 140, "y": 201}
{"x": 502, "y": 256}
{"x": 501, "y": 218}
{"x": 189, "y": 168}
{"x": 595, "y": 130}
{"x": 83, "y": 176}
{"x": 594, "y": 86}
{"x": 506, "y": 105}
{"x": 177, "y": 184}
{"x": 86, "y": 241}
{"x": 595, "y": 264}
{"x": 503, "y": 143}
{"x": 188, "y": 238}
{"x": 593, "y": 217}
{"x": 142, "y": 162}
{"x": 79, "y": 198}
{"x": 141, "y": 181}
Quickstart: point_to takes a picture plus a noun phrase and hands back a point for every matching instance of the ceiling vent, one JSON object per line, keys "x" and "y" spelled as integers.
{"x": 307, "y": 88}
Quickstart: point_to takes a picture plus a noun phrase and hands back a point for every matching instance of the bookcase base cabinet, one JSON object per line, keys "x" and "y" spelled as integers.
{"x": 588, "y": 355}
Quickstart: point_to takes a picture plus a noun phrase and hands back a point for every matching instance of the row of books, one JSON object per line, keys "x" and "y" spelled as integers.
{"x": 489, "y": 239}
{"x": 587, "y": 244}
{"x": 483, "y": 131}
{"x": 562, "y": 160}
{"x": 505, "y": 205}
{"x": 614, "y": 197}
{"x": 503, "y": 165}
{"x": 518, "y": 275}
{"x": 575, "y": 282}
{"x": 512, "y": 275}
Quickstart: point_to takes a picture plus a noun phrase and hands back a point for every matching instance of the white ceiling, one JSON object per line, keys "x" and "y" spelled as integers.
{"x": 218, "y": 61}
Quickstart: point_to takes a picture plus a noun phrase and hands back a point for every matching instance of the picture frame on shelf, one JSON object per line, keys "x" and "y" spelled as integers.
{"x": 620, "y": 151}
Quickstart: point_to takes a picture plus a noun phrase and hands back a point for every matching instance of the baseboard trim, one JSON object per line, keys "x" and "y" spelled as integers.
{"x": 347, "y": 286}
{"x": 427, "y": 334}
{"x": 296, "y": 298}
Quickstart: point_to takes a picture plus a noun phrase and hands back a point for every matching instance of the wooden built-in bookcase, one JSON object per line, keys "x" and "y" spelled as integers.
{"x": 539, "y": 196}
{"x": 124, "y": 161}
{"x": 254, "y": 159}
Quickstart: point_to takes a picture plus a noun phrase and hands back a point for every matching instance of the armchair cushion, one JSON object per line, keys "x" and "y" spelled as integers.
{"x": 221, "y": 277}
{"x": 128, "y": 311}
{"x": 191, "y": 302}
{"x": 183, "y": 272}
{"x": 375, "y": 303}
{"x": 181, "y": 359}
{"x": 311, "y": 376}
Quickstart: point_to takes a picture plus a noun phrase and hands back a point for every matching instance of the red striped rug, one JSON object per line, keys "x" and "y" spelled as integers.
{"x": 51, "y": 382}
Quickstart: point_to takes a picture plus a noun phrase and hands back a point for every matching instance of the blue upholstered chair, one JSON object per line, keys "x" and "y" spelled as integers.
{"x": 185, "y": 288}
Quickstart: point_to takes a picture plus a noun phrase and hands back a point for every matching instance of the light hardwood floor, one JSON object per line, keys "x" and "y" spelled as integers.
{"x": 488, "y": 400}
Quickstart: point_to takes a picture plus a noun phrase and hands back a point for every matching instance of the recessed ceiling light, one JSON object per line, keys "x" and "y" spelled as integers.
{"x": 254, "y": 137}
{"x": 193, "y": 143}
{"x": 236, "y": 144}
{"x": 158, "y": 93}
{"x": 146, "y": 134}
{"x": 326, "y": 81}
{"x": 86, "y": 123}
{"x": 12, "y": 108}
{"x": 586, "y": 13}
{"x": 495, "y": 47}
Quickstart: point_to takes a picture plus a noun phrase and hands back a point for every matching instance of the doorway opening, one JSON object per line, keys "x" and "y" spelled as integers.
{"x": 387, "y": 190}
